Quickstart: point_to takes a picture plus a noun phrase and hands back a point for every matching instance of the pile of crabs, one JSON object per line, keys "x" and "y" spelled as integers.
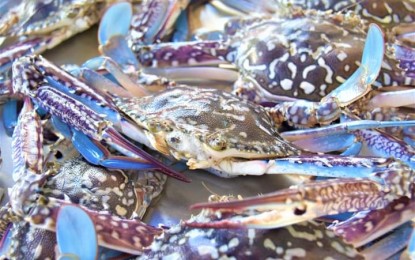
{"x": 322, "y": 90}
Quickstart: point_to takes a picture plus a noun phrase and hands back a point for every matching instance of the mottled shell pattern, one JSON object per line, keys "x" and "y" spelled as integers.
{"x": 305, "y": 55}
{"x": 205, "y": 126}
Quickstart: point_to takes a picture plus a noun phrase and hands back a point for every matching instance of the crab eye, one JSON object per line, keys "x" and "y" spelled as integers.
{"x": 217, "y": 142}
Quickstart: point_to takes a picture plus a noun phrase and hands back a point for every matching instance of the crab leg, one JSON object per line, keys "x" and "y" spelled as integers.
{"x": 125, "y": 235}
{"x": 315, "y": 199}
{"x": 11, "y": 53}
{"x": 342, "y": 128}
{"x": 398, "y": 114}
{"x": 364, "y": 227}
{"x": 27, "y": 159}
{"x": 307, "y": 114}
{"x": 311, "y": 165}
{"x": 113, "y": 44}
{"x": 379, "y": 143}
{"x": 155, "y": 20}
{"x": 393, "y": 99}
{"x": 337, "y": 137}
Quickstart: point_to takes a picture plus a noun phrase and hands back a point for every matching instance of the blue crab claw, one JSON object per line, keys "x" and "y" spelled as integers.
{"x": 311, "y": 200}
{"x": 113, "y": 29}
{"x": 76, "y": 234}
{"x": 126, "y": 235}
{"x": 358, "y": 84}
{"x": 153, "y": 21}
{"x": 115, "y": 22}
{"x": 373, "y": 53}
{"x": 96, "y": 153}
{"x": 81, "y": 108}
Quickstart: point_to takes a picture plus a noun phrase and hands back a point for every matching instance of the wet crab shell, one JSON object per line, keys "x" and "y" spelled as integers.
{"x": 30, "y": 241}
{"x": 387, "y": 13}
{"x": 307, "y": 240}
{"x": 178, "y": 121}
{"x": 305, "y": 55}
{"x": 120, "y": 193}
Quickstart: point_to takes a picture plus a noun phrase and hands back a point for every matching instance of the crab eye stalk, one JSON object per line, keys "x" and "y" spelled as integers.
{"x": 217, "y": 142}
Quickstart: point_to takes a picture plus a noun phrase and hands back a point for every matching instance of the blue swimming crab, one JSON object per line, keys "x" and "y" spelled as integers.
{"x": 43, "y": 187}
{"x": 300, "y": 56}
{"x": 389, "y": 182}
{"x": 29, "y": 27}
{"x": 34, "y": 26}
{"x": 38, "y": 198}
{"x": 303, "y": 56}
{"x": 178, "y": 120}
{"x": 171, "y": 127}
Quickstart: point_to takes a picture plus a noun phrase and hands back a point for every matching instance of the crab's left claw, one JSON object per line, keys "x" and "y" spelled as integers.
{"x": 358, "y": 84}
{"x": 115, "y": 22}
{"x": 113, "y": 29}
{"x": 76, "y": 233}
{"x": 311, "y": 200}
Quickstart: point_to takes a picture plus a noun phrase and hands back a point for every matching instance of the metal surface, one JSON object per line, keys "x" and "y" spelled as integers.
{"x": 173, "y": 204}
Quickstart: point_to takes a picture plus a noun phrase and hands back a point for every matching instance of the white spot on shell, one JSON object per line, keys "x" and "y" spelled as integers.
{"x": 341, "y": 56}
{"x": 307, "y": 87}
{"x": 286, "y": 84}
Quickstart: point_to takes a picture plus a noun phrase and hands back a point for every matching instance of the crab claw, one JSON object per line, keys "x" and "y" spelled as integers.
{"x": 76, "y": 233}
{"x": 126, "y": 235}
{"x": 310, "y": 200}
{"x": 115, "y": 22}
{"x": 112, "y": 31}
{"x": 358, "y": 84}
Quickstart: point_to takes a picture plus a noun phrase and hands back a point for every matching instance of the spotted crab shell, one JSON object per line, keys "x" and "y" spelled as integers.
{"x": 205, "y": 125}
{"x": 304, "y": 56}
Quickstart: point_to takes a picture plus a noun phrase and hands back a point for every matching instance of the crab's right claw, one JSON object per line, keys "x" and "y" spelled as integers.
{"x": 309, "y": 201}
{"x": 76, "y": 235}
